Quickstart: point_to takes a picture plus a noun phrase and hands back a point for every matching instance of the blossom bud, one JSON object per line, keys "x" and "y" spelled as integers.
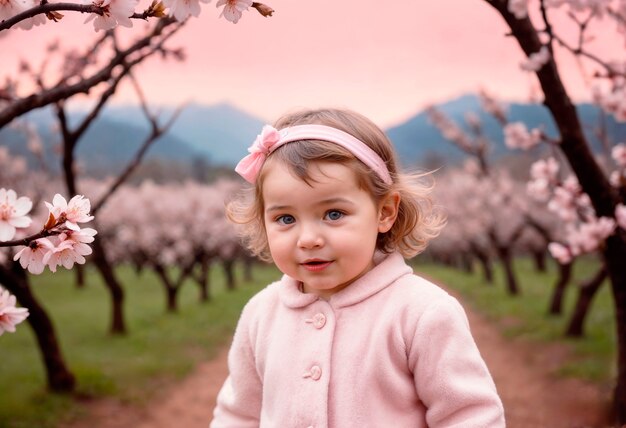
{"x": 263, "y": 9}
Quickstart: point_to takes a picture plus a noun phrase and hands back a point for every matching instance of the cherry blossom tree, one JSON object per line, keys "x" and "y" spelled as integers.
{"x": 531, "y": 25}
{"x": 61, "y": 242}
{"x": 183, "y": 230}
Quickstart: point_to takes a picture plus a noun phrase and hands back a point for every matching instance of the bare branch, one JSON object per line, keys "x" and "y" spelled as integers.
{"x": 156, "y": 133}
{"x": 55, "y": 94}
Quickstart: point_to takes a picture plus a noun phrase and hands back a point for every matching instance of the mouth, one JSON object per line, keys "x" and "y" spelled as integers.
{"x": 316, "y": 265}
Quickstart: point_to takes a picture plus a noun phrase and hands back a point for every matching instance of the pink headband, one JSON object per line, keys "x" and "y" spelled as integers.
{"x": 271, "y": 139}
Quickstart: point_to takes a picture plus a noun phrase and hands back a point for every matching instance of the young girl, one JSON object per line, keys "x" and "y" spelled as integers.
{"x": 349, "y": 337}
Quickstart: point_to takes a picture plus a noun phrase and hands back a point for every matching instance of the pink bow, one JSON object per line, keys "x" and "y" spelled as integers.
{"x": 249, "y": 166}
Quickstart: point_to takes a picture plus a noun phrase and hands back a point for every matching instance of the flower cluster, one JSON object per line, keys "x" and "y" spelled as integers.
{"x": 10, "y": 315}
{"x": 63, "y": 242}
{"x": 517, "y": 136}
{"x": 584, "y": 232}
{"x": 112, "y": 13}
{"x": 519, "y": 8}
{"x": 583, "y": 238}
{"x": 537, "y": 60}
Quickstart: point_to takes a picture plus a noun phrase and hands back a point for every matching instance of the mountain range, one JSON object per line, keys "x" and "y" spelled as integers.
{"x": 220, "y": 134}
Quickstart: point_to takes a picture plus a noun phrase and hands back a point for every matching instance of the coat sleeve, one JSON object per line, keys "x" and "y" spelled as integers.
{"x": 239, "y": 400}
{"x": 451, "y": 378}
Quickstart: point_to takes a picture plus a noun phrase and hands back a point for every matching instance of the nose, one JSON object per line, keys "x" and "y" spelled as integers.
{"x": 310, "y": 236}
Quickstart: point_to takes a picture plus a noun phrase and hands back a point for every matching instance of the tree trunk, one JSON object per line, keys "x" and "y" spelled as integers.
{"x": 171, "y": 291}
{"x": 230, "y": 274}
{"x": 466, "y": 262}
{"x": 556, "y": 302}
{"x": 586, "y": 294}
{"x": 539, "y": 259}
{"x": 485, "y": 262}
{"x": 59, "y": 378}
{"x": 172, "y": 299}
{"x": 615, "y": 255}
{"x": 79, "y": 271}
{"x": 507, "y": 263}
{"x": 118, "y": 324}
{"x": 204, "y": 281}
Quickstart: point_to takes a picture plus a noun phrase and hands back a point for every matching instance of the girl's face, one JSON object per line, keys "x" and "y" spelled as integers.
{"x": 322, "y": 234}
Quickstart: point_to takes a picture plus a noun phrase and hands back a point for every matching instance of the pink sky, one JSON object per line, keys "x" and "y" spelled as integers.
{"x": 385, "y": 62}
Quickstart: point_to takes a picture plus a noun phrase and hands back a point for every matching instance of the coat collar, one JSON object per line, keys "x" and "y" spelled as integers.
{"x": 388, "y": 268}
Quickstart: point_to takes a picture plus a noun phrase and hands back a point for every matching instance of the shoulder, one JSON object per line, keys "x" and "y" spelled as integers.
{"x": 264, "y": 300}
{"x": 421, "y": 294}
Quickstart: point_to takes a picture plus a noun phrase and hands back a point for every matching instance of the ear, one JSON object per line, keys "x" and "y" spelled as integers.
{"x": 388, "y": 211}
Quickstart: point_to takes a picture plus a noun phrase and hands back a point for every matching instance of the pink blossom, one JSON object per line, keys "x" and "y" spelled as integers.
{"x": 13, "y": 212}
{"x": 571, "y": 184}
{"x": 536, "y": 60}
{"x": 182, "y": 9}
{"x": 32, "y": 256}
{"x": 10, "y": 315}
{"x": 616, "y": 179}
{"x": 538, "y": 189}
{"x": 516, "y": 136}
{"x": 233, "y": 9}
{"x": 115, "y": 12}
{"x": 620, "y": 215}
{"x": 76, "y": 211}
{"x": 66, "y": 253}
{"x": 545, "y": 169}
{"x": 590, "y": 235}
{"x": 519, "y": 8}
{"x": 10, "y": 8}
{"x": 84, "y": 235}
{"x": 563, "y": 204}
{"x": 560, "y": 252}
{"x": 619, "y": 155}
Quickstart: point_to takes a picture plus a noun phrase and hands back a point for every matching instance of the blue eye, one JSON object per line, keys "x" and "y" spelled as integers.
{"x": 334, "y": 215}
{"x": 285, "y": 219}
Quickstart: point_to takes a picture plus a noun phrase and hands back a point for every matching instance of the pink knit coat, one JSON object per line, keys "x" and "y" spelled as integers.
{"x": 390, "y": 350}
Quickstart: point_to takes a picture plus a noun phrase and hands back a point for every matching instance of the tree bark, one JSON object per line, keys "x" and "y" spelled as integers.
{"x": 485, "y": 262}
{"x": 59, "y": 378}
{"x": 79, "y": 272}
{"x": 507, "y": 264}
{"x": 229, "y": 271}
{"x": 586, "y": 294}
{"x": 204, "y": 281}
{"x": 539, "y": 259}
{"x": 118, "y": 324}
{"x": 556, "y": 302}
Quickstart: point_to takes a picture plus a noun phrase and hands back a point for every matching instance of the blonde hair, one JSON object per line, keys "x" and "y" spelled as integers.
{"x": 417, "y": 221}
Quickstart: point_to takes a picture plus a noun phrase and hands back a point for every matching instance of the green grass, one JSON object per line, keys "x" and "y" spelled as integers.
{"x": 526, "y": 316}
{"x": 161, "y": 347}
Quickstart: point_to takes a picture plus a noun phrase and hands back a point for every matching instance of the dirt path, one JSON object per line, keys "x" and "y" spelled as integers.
{"x": 533, "y": 397}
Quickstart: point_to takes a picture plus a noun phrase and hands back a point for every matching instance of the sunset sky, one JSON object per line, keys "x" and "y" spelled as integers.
{"x": 384, "y": 59}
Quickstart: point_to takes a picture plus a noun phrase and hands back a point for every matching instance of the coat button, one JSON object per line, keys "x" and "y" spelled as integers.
{"x": 319, "y": 321}
{"x": 314, "y": 373}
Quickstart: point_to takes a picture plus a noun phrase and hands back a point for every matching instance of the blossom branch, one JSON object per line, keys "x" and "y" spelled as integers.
{"x": 49, "y": 8}
{"x": 26, "y": 241}
{"x": 58, "y": 93}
